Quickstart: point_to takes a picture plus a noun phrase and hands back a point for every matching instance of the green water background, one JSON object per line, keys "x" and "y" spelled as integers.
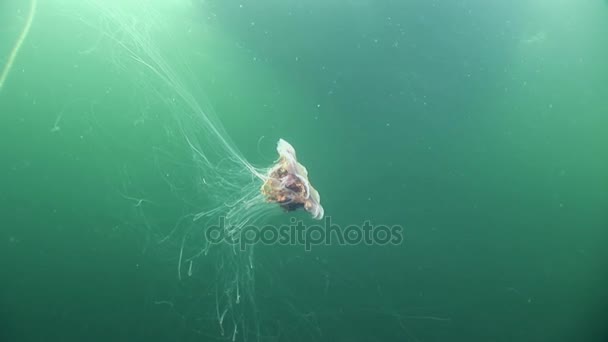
{"x": 479, "y": 126}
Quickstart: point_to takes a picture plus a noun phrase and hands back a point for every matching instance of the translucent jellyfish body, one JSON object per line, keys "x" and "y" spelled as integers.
{"x": 287, "y": 184}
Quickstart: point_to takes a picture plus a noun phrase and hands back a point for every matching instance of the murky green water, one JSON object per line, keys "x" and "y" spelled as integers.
{"x": 478, "y": 127}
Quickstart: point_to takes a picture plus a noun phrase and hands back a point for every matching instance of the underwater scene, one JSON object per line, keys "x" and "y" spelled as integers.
{"x": 284, "y": 170}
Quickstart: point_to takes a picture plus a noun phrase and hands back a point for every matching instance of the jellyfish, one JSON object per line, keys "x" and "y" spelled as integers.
{"x": 287, "y": 184}
{"x": 199, "y": 163}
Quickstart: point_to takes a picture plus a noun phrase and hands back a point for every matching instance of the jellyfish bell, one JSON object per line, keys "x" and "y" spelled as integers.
{"x": 287, "y": 184}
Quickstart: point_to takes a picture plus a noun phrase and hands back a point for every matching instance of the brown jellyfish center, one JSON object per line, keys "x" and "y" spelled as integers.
{"x": 288, "y": 185}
